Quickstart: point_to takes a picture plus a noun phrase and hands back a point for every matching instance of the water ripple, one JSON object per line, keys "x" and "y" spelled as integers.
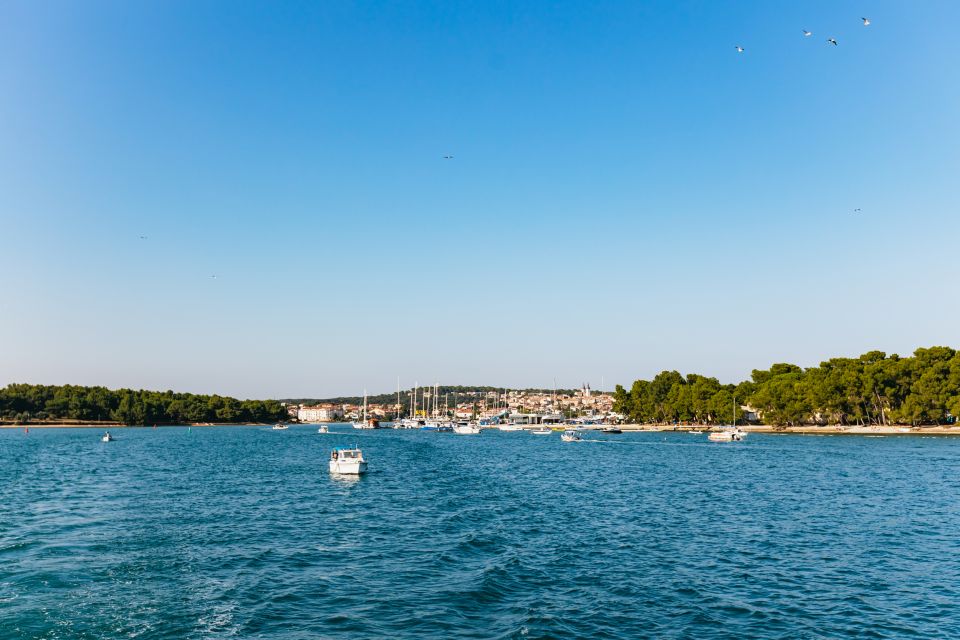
{"x": 241, "y": 533}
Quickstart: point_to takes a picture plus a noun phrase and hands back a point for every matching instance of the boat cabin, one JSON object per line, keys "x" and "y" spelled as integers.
{"x": 346, "y": 454}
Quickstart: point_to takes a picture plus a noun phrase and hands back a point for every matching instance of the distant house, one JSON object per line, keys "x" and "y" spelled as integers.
{"x": 320, "y": 413}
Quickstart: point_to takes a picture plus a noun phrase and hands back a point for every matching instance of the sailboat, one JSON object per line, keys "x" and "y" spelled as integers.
{"x": 733, "y": 434}
{"x": 366, "y": 424}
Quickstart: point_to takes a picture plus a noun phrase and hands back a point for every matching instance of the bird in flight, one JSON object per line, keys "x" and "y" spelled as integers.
{"x": 214, "y": 277}
{"x": 866, "y": 22}
{"x": 448, "y": 157}
{"x": 143, "y": 237}
{"x": 807, "y": 33}
{"x": 739, "y": 49}
{"x": 857, "y": 210}
{"x": 832, "y": 41}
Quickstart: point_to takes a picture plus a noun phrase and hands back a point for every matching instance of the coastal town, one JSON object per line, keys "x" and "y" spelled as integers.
{"x": 467, "y": 405}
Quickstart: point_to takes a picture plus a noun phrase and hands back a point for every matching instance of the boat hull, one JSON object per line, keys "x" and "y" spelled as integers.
{"x": 466, "y": 431}
{"x": 348, "y": 467}
{"x": 725, "y": 436}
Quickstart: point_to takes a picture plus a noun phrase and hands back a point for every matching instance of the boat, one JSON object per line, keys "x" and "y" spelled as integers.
{"x": 107, "y": 437}
{"x": 280, "y": 427}
{"x": 437, "y": 425}
{"x": 510, "y": 427}
{"x": 542, "y": 431}
{"x": 571, "y": 435}
{"x": 347, "y": 462}
{"x": 366, "y": 424}
{"x": 733, "y": 433}
{"x": 466, "y": 428}
{"x": 611, "y": 430}
{"x": 323, "y": 429}
{"x": 726, "y": 435}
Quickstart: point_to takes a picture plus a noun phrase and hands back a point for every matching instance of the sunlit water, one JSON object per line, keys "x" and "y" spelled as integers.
{"x": 241, "y": 532}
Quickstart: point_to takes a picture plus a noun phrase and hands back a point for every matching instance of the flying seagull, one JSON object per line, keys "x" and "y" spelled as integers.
{"x": 214, "y": 277}
{"x": 866, "y": 22}
{"x": 857, "y": 210}
{"x": 832, "y": 41}
{"x": 807, "y": 33}
{"x": 448, "y": 157}
{"x": 739, "y": 49}
{"x": 143, "y": 237}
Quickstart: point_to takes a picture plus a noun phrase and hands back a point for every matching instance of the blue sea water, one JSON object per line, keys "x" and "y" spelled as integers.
{"x": 240, "y": 532}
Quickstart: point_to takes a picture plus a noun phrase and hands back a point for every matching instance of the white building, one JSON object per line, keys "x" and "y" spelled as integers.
{"x": 319, "y": 414}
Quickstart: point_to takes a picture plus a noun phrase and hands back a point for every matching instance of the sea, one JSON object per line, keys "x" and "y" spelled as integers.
{"x": 241, "y": 532}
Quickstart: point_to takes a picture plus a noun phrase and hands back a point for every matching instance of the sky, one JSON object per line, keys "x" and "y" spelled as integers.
{"x": 627, "y": 192}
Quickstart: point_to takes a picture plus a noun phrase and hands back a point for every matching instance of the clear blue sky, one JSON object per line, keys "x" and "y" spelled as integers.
{"x": 628, "y": 193}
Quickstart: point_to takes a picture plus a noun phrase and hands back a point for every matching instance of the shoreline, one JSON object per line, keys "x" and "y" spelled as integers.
{"x": 837, "y": 430}
{"x": 116, "y": 425}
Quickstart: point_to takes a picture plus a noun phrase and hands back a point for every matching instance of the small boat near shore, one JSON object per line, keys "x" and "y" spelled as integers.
{"x": 542, "y": 431}
{"x": 280, "y": 427}
{"x": 611, "y": 430}
{"x": 571, "y": 435}
{"x": 347, "y": 462}
{"x": 726, "y": 435}
{"x": 466, "y": 428}
{"x": 107, "y": 437}
{"x": 366, "y": 423}
{"x": 733, "y": 433}
{"x": 323, "y": 429}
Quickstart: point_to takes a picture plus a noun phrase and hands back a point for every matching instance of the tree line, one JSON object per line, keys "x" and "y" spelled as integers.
{"x": 28, "y": 402}
{"x": 874, "y": 389}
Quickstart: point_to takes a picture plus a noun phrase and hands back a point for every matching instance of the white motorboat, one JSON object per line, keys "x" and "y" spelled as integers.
{"x": 280, "y": 427}
{"x": 466, "y": 428}
{"x": 347, "y": 462}
{"x": 542, "y": 431}
{"x": 571, "y": 435}
{"x": 323, "y": 429}
{"x": 726, "y": 435}
{"x": 107, "y": 437}
{"x": 511, "y": 427}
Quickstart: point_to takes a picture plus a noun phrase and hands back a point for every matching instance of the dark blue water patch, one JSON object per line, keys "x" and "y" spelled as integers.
{"x": 241, "y": 532}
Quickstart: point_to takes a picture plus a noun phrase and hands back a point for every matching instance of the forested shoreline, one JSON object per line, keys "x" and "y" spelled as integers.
{"x": 25, "y": 403}
{"x": 874, "y": 389}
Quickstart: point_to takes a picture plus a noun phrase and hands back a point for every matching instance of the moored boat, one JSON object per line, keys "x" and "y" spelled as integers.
{"x": 347, "y": 462}
{"x": 365, "y": 423}
{"x": 726, "y": 435}
{"x": 466, "y": 428}
{"x": 733, "y": 433}
{"x": 280, "y": 427}
{"x": 542, "y": 431}
{"x": 611, "y": 430}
